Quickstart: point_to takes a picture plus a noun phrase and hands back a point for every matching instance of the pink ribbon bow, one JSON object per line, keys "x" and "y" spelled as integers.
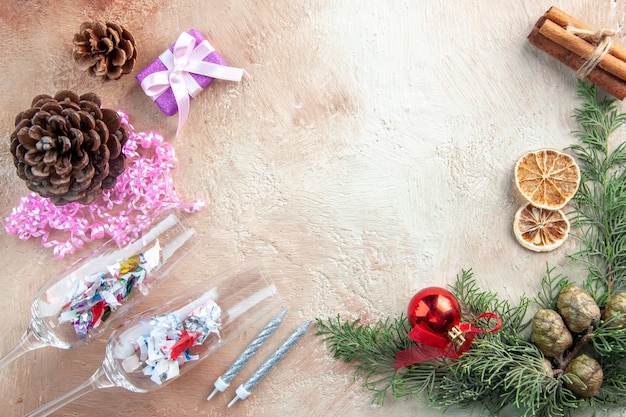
{"x": 181, "y": 63}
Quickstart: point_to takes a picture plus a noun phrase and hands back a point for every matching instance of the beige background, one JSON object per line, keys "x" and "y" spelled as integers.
{"x": 369, "y": 155}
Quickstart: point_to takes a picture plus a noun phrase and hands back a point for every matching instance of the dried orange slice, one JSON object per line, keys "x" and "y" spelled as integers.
{"x": 539, "y": 229}
{"x": 547, "y": 178}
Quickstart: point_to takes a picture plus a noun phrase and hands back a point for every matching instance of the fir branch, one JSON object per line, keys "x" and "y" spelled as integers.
{"x": 422, "y": 378}
{"x": 609, "y": 339}
{"x": 613, "y": 389}
{"x": 559, "y": 401}
{"x": 551, "y": 285}
{"x": 475, "y": 301}
{"x": 371, "y": 349}
{"x": 500, "y": 374}
{"x": 600, "y": 202}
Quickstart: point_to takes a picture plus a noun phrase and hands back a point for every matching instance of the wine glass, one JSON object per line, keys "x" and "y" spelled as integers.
{"x": 94, "y": 294}
{"x": 158, "y": 345}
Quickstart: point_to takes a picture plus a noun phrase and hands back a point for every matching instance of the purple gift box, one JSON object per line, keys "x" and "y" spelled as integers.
{"x": 166, "y": 101}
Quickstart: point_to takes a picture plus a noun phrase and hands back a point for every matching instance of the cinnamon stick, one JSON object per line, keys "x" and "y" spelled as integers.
{"x": 604, "y": 80}
{"x": 564, "y": 20}
{"x": 561, "y": 18}
{"x": 582, "y": 48}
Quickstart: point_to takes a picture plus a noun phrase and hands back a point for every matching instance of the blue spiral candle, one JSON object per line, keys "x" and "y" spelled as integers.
{"x": 243, "y": 391}
{"x": 224, "y": 380}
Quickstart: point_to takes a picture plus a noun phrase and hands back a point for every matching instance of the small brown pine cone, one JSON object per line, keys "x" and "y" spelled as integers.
{"x": 578, "y": 308}
{"x": 550, "y": 334}
{"x": 616, "y": 305}
{"x": 67, "y": 148}
{"x": 104, "y": 49}
{"x": 588, "y": 376}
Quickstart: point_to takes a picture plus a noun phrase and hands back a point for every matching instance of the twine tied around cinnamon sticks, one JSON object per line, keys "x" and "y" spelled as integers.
{"x": 591, "y": 53}
{"x": 602, "y": 39}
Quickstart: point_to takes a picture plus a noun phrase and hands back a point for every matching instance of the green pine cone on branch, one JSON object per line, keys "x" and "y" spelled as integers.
{"x": 509, "y": 372}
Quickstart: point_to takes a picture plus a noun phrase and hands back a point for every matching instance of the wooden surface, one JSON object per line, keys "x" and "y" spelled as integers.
{"x": 368, "y": 155}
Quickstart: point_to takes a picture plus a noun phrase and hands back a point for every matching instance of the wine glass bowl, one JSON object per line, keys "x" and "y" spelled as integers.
{"x": 95, "y": 293}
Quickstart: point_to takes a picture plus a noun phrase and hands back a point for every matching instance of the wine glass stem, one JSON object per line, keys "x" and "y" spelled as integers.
{"x": 28, "y": 342}
{"x": 97, "y": 380}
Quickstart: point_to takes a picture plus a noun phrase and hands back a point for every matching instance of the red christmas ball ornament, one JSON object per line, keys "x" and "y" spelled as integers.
{"x": 437, "y": 309}
{"x": 435, "y": 315}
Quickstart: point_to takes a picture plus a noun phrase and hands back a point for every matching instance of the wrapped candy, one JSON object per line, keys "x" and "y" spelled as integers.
{"x": 161, "y": 351}
{"x": 92, "y": 299}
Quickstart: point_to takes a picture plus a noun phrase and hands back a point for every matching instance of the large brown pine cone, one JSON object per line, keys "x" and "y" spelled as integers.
{"x": 67, "y": 148}
{"x": 104, "y": 49}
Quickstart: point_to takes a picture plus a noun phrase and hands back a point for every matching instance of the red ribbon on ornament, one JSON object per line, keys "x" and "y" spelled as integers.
{"x": 435, "y": 345}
